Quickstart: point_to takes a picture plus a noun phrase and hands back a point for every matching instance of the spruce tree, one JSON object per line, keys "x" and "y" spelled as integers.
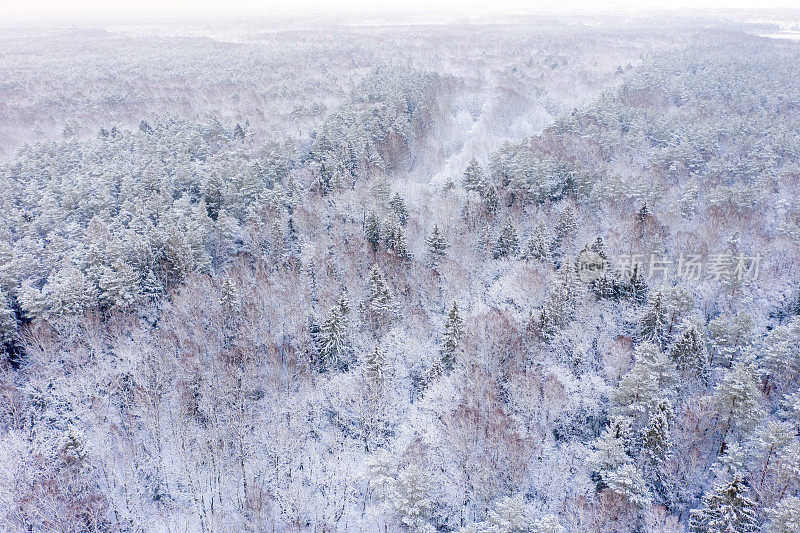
{"x": 536, "y": 248}
{"x": 398, "y": 207}
{"x": 654, "y": 326}
{"x": 726, "y": 509}
{"x": 452, "y": 333}
{"x": 437, "y": 247}
{"x": 372, "y": 231}
{"x": 656, "y": 446}
{"x": 376, "y": 369}
{"x": 509, "y": 516}
{"x": 412, "y": 499}
{"x": 474, "y": 178}
{"x": 507, "y": 243}
{"x": 491, "y": 201}
{"x": 394, "y": 238}
{"x": 8, "y": 321}
{"x": 378, "y": 306}
{"x": 737, "y": 399}
{"x": 689, "y": 353}
{"x": 333, "y": 343}
{"x": 613, "y": 467}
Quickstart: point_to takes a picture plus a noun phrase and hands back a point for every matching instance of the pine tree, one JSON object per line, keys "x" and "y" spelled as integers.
{"x": 398, "y": 207}
{"x": 656, "y": 445}
{"x": 452, "y": 333}
{"x": 229, "y": 295}
{"x": 333, "y": 342}
{"x": 150, "y": 286}
{"x": 637, "y": 391}
{"x": 508, "y": 516}
{"x": 737, "y": 399}
{"x": 437, "y": 247}
{"x": 212, "y": 194}
{"x": 412, "y": 498}
{"x": 474, "y": 178}
{"x": 564, "y": 230}
{"x": 614, "y": 468}
{"x": 238, "y": 132}
{"x": 775, "y": 442}
{"x": 372, "y": 231}
{"x": 548, "y": 524}
{"x": 727, "y": 509}
{"x": 507, "y": 243}
{"x": 118, "y": 286}
{"x": 562, "y": 302}
{"x": 730, "y": 336}
{"x": 380, "y": 472}
{"x": 780, "y": 354}
{"x": 654, "y": 326}
{"x": 394, "y": 238}
{"x": 536, "y": 249}
{"x": 491, "y": 201}
{"x": 8, "y": 321}
{"x": 689, "y": 353}
{"x": 378, "y": 306}
{"x": 376, "y": 369}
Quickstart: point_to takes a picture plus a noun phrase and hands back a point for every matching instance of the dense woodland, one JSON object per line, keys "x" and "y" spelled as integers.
{"x": 332, "y": 281}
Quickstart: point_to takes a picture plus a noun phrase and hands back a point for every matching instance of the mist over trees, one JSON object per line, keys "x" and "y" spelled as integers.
{"x": 261, "y": 278}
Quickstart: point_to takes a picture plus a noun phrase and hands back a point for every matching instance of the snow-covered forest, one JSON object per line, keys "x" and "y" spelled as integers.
{"x": 534, "y": 275}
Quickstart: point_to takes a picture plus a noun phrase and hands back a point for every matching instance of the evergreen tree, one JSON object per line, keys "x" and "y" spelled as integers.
{"x": 508, "y": 516}
{"x": 565, "y": 229}
{"x": 118, "y": 286}
{"x": 491, "y": 201}
{"x": 376, "y": 369}
{"x": 656, "y": 445}
{"x": 229, "y": 295}
{"x": 689, "y": 353}
{"x": 380, "y": 472}
{"x": 507, "y": 243}
{"x": 378, "y": 306}
{"x": 780, "y": 354}
{"x": 452, "y": 333}
{"x": 238, "y": 132}
{"x": 212, "y": 194}
{"x": 776, "y": 443}
{"x": 536, "y": 248}
{"x": 394, "y": 238}
{"x": 562, "y": 302}
{"x": 8, "y": 321}
{"x": 638, "y": 391}
{"x": 548, "y": 524}
{"x": 398, "y": 207}
{"x": 437, "y": 247}
{"x": 614, "y": 468}
{"x": 372, "y": 231}
{"x": 737, "y": 399}
{"x": 730, "y": 337}
{"x": 654, "y": 326}
{"x": 333, "y": 343}
{"x": 412, "y": 499}
{"x": 727, "y": 509}
{"x": 474, "y": 178}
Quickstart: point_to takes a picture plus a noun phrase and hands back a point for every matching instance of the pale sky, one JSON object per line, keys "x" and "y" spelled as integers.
{"x": 33, "y": 9}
